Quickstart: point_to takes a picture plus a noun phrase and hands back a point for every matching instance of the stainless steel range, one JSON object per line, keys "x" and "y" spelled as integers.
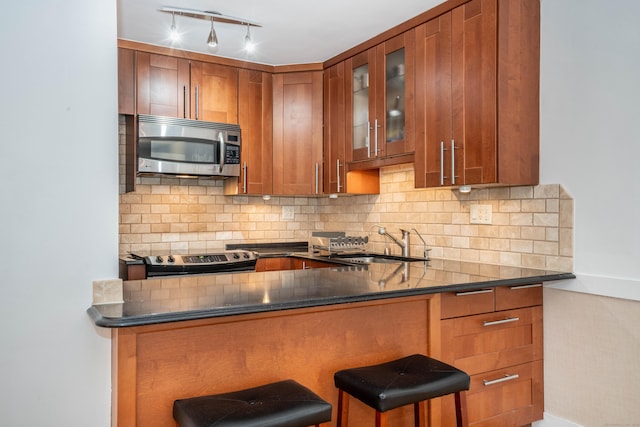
{"x": 226, "y": 261}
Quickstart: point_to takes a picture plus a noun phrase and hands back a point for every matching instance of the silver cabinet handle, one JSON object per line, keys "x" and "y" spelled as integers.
{"x": 223, "y": 150}
{"x": 197, "y": 102}
{"x": 244, "y": 177}
{"x": 500, "y": 322}
{"x": 338, "y": 175}
{"x": 535, "y": 285}
{"x": 184, "y": 102}
{"x": 375, "y": 132}
{"x": 481, "y": 291}
{"x": 453, "y": 162}
{"x": 368, "y": 139}
{"x": 441, "y": 162}
{"x": 507, "y": 377}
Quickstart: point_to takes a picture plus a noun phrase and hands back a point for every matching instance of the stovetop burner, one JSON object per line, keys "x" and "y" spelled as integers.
{"x": 226, "y": 261}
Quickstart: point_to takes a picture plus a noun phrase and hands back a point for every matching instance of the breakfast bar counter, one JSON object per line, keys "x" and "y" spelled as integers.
{"x": 179, "y": 298}
{"x": 180, "y": 337}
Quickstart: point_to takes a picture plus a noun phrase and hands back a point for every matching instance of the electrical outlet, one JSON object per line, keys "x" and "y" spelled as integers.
{"x": 288, "y": 212}
{"x": 481, "y": 214}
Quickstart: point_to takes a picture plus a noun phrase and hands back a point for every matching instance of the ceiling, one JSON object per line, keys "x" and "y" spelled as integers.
{"x": 292, "y": 32}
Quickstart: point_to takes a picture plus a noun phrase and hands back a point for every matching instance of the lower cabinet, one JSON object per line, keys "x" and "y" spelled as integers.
{"x": 289, "y": 263}
{"x": 501, "y": 349}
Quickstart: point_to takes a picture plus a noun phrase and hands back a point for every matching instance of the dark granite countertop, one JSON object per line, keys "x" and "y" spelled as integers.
{"x": 181, "y": 298}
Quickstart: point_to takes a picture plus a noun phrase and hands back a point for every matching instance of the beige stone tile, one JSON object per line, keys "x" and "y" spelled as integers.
{"x": 525, "y": 192}
{"x": 552, "y": 205}
{"x": 521, "y": 219}
{"x": 533, "y": 233}
{"x": 545, "y": 220}
{"x": 545, "y": 248}
{"x": 509, "y": 206}
{"x": 500, "y": 218}
{"x": 534, "y": 205}
{"x": 511, "y": 232}
{"x": 559, "y": 263}
{"x": 551, "y": 234}
{"x": 499, "y": 244}
{"x": 498, "y": 193}
{"x": 489, "y": 257}
{"x": 522, "y": 246}
{"x": 479, "y": 243}
{"x": 547, "y": 191}
{"x": 566, "y": 213}
{"x": 533, "y": 261}
{"x": 565, "y": 244}
{"x": 509, "y": 258}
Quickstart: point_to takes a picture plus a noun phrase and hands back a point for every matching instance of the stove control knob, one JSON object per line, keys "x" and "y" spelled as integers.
{"x": 236, "y": 256}
{"x": 159, "y": 259}
{"x": 171, "y": 258}
{"x": 246, "y": 255}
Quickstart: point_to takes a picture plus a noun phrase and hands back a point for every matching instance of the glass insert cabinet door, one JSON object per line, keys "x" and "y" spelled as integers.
{"x": 379, "y": 94}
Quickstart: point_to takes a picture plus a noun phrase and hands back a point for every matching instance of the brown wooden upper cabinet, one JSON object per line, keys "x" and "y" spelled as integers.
{"x": 214, "y": 92}
{"x": 163, "y": 85}
{"x": 379, "y": 95}
{"x": 477, "y": 95}
{"x": 297, "y": 133}
{"x": 255, "y": 116}
{"x": 336, "y": 156}
{"x": 177, "y": 87}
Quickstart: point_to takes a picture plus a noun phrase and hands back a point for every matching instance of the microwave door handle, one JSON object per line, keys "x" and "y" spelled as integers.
{"x": 222, "y": 150}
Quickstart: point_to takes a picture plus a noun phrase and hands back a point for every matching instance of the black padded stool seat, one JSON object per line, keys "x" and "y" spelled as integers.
{"x": 400, "y": 382}
{"x": 280, "y": 404}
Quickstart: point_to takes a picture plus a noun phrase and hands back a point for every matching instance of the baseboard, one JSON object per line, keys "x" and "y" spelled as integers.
{"x": 554, "y": 421}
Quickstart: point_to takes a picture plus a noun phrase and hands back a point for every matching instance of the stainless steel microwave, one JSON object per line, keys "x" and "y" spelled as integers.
{"x": 181, "y": 147}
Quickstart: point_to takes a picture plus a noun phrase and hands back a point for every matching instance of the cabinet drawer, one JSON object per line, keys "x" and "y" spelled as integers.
{"x": 465, "y": 303}
{"x": 509, "y": 297}
{"x": 486, "y": 342}
{"x": 502, "y": 398}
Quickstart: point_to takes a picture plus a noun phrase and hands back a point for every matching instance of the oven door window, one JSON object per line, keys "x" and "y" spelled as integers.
{"x": 179, "y": 150}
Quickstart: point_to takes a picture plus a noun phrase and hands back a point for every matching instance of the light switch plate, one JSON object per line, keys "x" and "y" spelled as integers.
{"x": 288, "y": 212}
{"x": 481, "y": 214}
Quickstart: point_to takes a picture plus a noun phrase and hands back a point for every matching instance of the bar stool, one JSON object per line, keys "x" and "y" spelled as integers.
{"x": 409, "y": 380}
{"x": 281, "y": 404}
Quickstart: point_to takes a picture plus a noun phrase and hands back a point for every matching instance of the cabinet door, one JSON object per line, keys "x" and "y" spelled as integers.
{"x": 297, "y": 133}
{"x": 395, "y": 75}
{"x": 434, "y": 103}
{"x": 214, "y": 92}
{"x": 361, "y": 104}
{"x": 255, "y": 103}
{"x": 126, "y": 81}
{"x": 162, "y": 85}
{"x": 474, "y": 87}
{"x": 380, "y": 97}
{"x": 334, "y": 129}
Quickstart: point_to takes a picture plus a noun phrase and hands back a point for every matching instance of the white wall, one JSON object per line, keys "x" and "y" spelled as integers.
{"x": 59, "y": 214}
{"x": 590, "y": 143}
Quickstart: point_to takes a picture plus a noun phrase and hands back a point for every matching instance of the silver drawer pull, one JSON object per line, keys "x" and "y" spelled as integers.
{"x": 515, "y": 288}
{"x": 507, "y": 377}
{"x": 500, "y": 322}
{"x": 481, "y": 291}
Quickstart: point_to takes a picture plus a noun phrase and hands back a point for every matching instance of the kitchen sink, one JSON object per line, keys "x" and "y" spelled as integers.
{"x": 368, "y": 258}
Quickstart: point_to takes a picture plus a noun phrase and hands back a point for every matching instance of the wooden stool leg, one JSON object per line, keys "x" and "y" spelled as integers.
{"x": 418, "y": 414}
{"x": 461, "y": 409}
{"x": 343, "y": 408}
{"x": 382, "y": 419}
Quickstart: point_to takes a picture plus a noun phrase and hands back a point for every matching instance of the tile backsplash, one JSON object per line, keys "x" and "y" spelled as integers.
{"x": 532, "y": 226}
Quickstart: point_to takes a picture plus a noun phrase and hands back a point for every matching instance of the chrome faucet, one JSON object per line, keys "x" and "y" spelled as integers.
{"x": 405, "y": 244}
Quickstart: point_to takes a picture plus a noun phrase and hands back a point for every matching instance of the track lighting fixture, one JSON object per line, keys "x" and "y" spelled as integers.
{"x": 212, "y": 40}
{"x": 248, "y": 43}
{"x": 173, "y": 31}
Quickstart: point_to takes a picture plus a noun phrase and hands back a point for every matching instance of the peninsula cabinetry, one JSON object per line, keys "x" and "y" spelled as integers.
{"x": 477, "y": 95}
{"x": 495, "y": 335}
{"x": 297, "y": 133}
